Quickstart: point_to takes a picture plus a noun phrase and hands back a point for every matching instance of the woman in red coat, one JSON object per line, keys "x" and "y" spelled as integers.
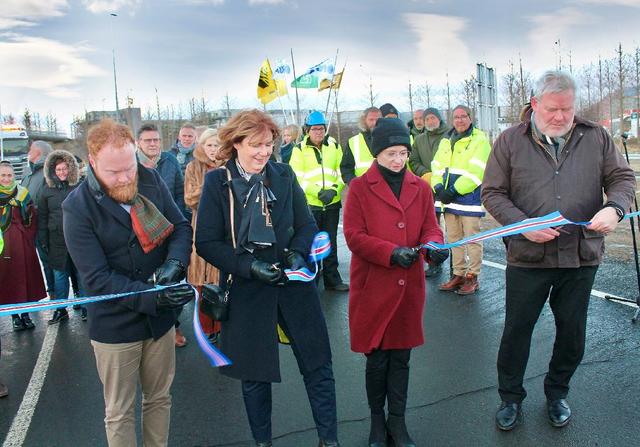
{"x": 388, "y": 213}
{"x": 20, "y": 273}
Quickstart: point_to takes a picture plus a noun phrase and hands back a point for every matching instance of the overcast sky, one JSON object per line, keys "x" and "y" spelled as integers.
{"x": 56, "y": 55}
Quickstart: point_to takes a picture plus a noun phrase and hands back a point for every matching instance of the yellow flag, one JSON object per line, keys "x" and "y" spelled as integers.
{"x": 334, "y": 83}
{"x": 269, "y": 88}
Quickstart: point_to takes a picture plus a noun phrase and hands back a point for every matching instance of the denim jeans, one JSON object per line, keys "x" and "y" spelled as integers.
{"x": 61, "y": 282}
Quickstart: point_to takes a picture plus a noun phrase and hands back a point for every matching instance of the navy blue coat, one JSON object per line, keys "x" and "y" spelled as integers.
{"x": 109, "y": 258}
{"x": 249, "y": 338}
{"x": 172, "y": 173}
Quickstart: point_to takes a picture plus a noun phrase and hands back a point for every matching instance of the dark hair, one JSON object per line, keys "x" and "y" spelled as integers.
{"x": 146, "y": 128}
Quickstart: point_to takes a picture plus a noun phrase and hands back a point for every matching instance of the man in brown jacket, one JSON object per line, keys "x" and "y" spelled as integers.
{"x": 552, "y": 161}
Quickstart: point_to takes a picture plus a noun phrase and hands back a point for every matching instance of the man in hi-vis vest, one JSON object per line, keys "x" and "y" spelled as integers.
{"x": 357, "y": 157}
{"x": 316, "y": 162}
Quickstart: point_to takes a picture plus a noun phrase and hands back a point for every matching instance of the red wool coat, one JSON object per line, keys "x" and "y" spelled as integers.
{"x": 386, "y": 302}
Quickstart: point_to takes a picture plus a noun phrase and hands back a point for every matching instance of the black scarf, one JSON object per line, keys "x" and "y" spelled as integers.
{"x": 256, "y": 228}
{"x": 393, "y": 179}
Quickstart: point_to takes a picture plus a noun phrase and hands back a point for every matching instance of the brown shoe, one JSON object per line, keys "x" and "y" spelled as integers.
{"x": 470, "y": 286}
{"x": 181, "y": 340}
{"x": 453, "y": 284}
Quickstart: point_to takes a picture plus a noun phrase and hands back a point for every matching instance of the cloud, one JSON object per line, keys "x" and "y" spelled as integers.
{"x": 203, "y": 2}
{"x": 440, "y": 45}
{"x": 42, "y": 64}
{"x": 629, "y": 3}
{"x": 265, "y": 2}
{"x": 21, "y": 13}
{"x": 103, "y": 6}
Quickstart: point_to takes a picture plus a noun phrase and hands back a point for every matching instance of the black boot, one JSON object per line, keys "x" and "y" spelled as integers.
{"x": 397, "y": 386}
{"x": 26, "y": 320}
{"x": 18, "y": 324}
{"x": 58, "y": 316}
{"x": 83, "y": 313}
{"x": 376, "y": 382}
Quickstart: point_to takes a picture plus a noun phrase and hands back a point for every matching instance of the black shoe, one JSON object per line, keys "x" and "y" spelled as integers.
{"x": 264, "y": 444}
{"x": 340, "y": 287}
{"x": 58, "y": 316}
{"x": 378, "y": 431}
{"x": 18, "y": 324}
{"x": 433, "y": 270}
{"x": 508, "y": 415}
{"x": 77, "y": 307}
{"x": 4, "y": 391}
{"x": 213, "y": 338}
{"x": 322, "y": 443}
{"x": 26, "y": 321}
{"x": 559, "y": 412}
{"x": 397, "y": 432}
{"x": 83, "y": 313}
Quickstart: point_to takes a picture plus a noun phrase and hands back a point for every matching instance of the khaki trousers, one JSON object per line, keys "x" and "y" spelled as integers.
{"x": 120, "y": 367}
{"x": 459, "y": 227}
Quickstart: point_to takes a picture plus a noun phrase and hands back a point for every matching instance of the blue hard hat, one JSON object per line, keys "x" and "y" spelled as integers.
{"x": 315, "y": 118}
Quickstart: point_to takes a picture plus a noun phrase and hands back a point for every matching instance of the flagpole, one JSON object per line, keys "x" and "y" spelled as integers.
{"x": 335, "y": 61}
{"x": 336, "y": 98}
{"x": 293, "y": 66}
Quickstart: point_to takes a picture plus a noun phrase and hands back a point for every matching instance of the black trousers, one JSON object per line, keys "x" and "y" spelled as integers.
{"x": 387, "y": 378}
{"x": 321, "y": 392}
{"x": 327, "y": 220}
{"x": 568, "y": 291}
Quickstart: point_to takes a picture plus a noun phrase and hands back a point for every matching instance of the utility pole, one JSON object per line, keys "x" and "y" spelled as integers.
{"x": 113, "y": 56}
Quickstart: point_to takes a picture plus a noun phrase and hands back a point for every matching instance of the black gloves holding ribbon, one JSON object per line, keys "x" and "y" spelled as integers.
{"x": 437, "y": 257}
{"x": 294, "y": 260}
{"x": 171, "y": 272}
{"x": 266, "y": 272}
{"x": 445, "y": 195}
{"x": 327, "y": 195}
{"x": 404, "y": 256}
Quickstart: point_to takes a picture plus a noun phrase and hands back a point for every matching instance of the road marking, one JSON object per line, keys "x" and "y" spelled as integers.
{"x": 21, "y": 422}
{"x": 594, "y": 292}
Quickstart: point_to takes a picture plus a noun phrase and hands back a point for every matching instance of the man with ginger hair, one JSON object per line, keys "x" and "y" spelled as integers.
{"x": 126, "y": 234}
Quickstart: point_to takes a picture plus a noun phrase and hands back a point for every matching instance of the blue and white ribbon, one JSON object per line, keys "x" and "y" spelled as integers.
{"x": 320, "y": 249}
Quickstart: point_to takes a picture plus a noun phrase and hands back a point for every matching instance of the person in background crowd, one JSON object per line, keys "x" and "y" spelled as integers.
{"x": 290, "y": 137}
{"x": 457, "y": 173}
{"x": 425, "y": 147}
{"x": 272, "y": 230}
{"x": 552, "y": 161}
{"x": 388, "y": 110}
{"x": 200, "y": 272}
{"x": 34, "y": 182}
{"x": 61, "y": 176}
{"x": 316, "y": 162}
{"x": 151, "y": 156}
{"x": 388, "y": 214}
{"x": 20, "y": 275}
{"x": 126, "y": 234}
{"x": 416, "y": 125}
{"x": 185, "y": 145}
{"x": 356, "y": 156}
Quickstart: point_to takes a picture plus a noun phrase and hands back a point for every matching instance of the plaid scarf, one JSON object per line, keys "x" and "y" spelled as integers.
{"x": 149, "y": 224}
{"x": 14, "y": 195}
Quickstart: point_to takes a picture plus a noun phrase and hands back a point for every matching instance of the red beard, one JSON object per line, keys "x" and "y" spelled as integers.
{"x": 123, "y": 193}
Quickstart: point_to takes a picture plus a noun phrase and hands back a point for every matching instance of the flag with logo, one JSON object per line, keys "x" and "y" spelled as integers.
{"x": 268, "y": 87}
{"x": 334, "y": 83}
{"x": 311, "y": 77}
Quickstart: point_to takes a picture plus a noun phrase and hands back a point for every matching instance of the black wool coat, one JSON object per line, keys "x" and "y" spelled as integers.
{"x": 249, "y": 338}
{"x": 109, "y": 258}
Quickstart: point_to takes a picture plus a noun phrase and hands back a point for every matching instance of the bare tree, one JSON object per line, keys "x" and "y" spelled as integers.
{"x": 510, "y": 89}
{"x": 636, "y": 65}
{"x": 448, "y": 93}
{"x": 621, "y": 80}
{"x": 410, "y": 97}
{"x": 469, "y": 92}
{"x": 226, "y": 104}
{"x": 371, "y": 97}
{"x": 26, "y": 119}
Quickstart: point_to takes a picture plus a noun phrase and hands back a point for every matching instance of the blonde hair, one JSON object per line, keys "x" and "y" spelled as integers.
{"x": 206, "y": 134}
{"x": 295, "y": 132}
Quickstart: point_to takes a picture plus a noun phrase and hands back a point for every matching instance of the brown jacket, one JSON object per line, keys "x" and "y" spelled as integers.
{"x": 523, "y": 180}
{"x": 199, "y": 272}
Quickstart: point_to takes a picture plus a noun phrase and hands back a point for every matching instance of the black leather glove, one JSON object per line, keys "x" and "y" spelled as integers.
{"x": 265, "y": 272}
{"x": 294, "y": 260}
{"x": 327, "y": 195}
{"x": 404, "y": 256}
{"x": 174, "y": 297}
{"x": 447, "y": 196}
{"x": 437, "y": 257}
{"x": 171, "y": 272}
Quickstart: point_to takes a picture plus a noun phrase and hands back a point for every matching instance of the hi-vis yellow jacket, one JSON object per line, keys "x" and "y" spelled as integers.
{"x": 361, "y": 154}
{"x": 461, "y": 168}
{"x": 318, "y": 169}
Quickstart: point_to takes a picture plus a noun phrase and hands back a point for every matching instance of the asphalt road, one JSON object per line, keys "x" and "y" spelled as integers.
{"x": 453, "y": 395}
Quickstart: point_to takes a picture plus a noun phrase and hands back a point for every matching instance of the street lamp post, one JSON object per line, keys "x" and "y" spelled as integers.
{"x": 113, "y": 54}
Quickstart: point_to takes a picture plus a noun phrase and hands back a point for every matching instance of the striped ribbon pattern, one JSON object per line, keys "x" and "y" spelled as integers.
{"x": 320, "y": 249}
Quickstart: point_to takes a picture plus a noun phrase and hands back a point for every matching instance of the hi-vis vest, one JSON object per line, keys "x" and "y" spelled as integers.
{"x": 361, "y": 154}
{"x": 463, "y": 168}
{"x": 313, "y": 175}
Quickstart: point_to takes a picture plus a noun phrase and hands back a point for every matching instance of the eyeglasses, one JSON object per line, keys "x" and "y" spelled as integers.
{"x": 150, "y": 140}
{"x": 394, "y": 155}
{"x": 460, "y": 117}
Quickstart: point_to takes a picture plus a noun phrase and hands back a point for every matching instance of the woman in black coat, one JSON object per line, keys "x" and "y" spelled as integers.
{"x": 273, "y": 230}
{"x": 61, "y": 175}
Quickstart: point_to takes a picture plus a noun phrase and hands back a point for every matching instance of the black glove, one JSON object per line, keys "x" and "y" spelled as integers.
{"x": 45, "y": 249}
{"x": 404, "y": 256}
{"x": 327, "y": 195}
{"x": 265, "y": 272}
{"x": 171, "y": 272}
{"x": 174, "y": 297}
{"x": 447, "y": 195}
{"x": 294, "y": 260}
{"x": 437, "y": 257}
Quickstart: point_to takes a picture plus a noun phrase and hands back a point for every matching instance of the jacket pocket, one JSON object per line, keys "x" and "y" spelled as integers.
{"x": 591, "y": 245}
{"x": 521, "y": 249}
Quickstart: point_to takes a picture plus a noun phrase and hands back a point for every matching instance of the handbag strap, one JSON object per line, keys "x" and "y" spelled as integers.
{"x": 233, "y": 230}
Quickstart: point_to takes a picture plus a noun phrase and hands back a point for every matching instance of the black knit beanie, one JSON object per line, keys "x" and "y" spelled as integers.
{"x": 389, "y": 132}
{"x": 433, "y": 111}
{"x": 387, "y": 109}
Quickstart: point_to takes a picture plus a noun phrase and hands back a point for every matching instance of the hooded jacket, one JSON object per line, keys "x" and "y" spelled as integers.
{"x": 50, "y": 217}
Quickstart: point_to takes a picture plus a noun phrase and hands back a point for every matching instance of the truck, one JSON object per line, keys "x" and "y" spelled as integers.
{"x": 14, "y": 145}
